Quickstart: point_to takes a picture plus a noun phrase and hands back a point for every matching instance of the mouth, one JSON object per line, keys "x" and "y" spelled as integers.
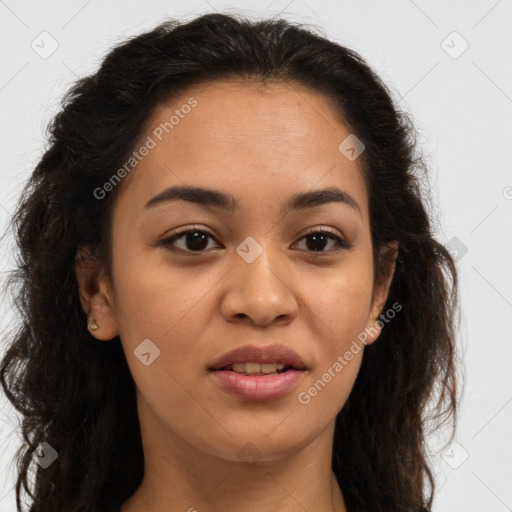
{"x": 258, "y": 373}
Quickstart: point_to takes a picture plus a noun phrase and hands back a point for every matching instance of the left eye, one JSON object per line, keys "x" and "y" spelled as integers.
{"x": 319, "y": 238}
{"x": 196, "y": 240}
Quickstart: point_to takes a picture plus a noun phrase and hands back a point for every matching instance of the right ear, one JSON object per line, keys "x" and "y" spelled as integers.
{"x": 95, "y": 293}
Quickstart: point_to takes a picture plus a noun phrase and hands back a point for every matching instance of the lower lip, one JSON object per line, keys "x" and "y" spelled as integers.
{"x": 257, "y": 387}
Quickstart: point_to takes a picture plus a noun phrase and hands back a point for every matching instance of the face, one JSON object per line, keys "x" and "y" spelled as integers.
{"x": 248, "y": 274}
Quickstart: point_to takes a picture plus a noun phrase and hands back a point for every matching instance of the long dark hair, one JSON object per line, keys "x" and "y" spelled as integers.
{"x": 79, "y": 396}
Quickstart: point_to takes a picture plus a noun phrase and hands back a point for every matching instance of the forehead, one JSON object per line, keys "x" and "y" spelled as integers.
{"x": 245, "y": 138}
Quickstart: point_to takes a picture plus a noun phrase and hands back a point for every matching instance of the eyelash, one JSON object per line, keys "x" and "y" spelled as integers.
{"x": 341, "y": 243}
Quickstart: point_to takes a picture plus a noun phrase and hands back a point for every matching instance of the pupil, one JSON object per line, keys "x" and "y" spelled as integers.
{"x": 199, "y": 240}
{"x": 317, "y": 237}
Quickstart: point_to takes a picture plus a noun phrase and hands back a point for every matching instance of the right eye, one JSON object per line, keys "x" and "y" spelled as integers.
{"x": 195, "y": 239}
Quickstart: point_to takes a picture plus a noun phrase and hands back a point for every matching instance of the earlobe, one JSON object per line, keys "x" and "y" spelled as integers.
{"x": 96, "y": 300}
{"x": 101, "y": 321}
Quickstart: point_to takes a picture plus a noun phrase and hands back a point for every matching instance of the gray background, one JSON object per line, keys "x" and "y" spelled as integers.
{"x": 461, "y": 100}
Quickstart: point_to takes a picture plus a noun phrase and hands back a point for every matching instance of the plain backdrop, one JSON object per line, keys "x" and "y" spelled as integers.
{"x": 448, "y": 64}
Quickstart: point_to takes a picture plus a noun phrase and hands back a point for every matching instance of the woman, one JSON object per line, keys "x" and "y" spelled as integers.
{"x": 230, "y": 290}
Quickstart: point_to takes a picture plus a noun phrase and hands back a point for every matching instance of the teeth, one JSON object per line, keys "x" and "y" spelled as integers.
{"x": 255, "y": 368}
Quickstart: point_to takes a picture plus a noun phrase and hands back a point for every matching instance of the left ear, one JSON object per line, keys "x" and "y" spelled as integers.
{"x": 388, "y": 255}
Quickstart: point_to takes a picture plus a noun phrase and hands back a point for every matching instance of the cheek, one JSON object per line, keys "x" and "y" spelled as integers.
{"x": 169, "y": 307}
{"x": 339, "y": 303}
{"x": 337, "y": 314}
{"x": 156, "y": 300}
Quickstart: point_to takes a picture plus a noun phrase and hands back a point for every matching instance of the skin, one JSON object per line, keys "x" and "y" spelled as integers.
{"x": 261, "y": 145}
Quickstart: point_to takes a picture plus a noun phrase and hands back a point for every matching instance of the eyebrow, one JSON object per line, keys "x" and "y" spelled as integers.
{"x": 207, "y": 197}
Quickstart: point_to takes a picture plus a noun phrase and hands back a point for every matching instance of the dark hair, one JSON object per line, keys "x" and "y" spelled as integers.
{"x": 79, "y": 396}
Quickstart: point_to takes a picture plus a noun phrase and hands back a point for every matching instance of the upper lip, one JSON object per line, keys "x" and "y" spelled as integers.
{"x": 278, "y": 354}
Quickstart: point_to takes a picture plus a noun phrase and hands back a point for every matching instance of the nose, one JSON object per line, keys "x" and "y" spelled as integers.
{"x": 260, "y": 292}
